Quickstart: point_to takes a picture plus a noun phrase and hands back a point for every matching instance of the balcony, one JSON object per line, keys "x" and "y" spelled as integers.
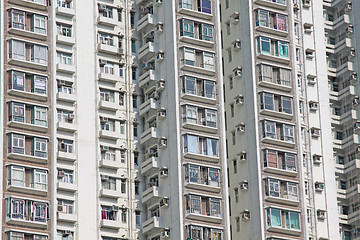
{"x": 194, "y": 13}
{"x": 66, "y": 156}
{"x": 66, "y": 217}
{"x": 68, "y": 187}
{"x": 29, "y": 3}
{"x": 65, "y": 68}
{"x": 213, "y": 159}
{"x": 147, "y": 51}
{"x": 65, "y": 40}
{"x": 26, "y": 94}
{"x": 65, "y": 126}
{"x": 112, "y": 135}
{"x": 111, "y": 78}
{"x": 65, "y": 97}
{"x": 148, "y": 76}
{"x": 150, "y": 107}
{"x": 106, "y": 105}
{"x": 111, "y": 22}
{"x": 151, "y": 165}
{"x": 203, "y": 217}
{"x": 150, "y": 136}
{"x": 30, "y": 189}
{"x": 110, "y": 224}
{"x": 105, "y": 48}
{"x": 109, "y": 193}
{"x": 152, "y": 225}
{"x": 203, "y": 187}
{"x": 152, "y": 193}
{"x": 67, "y": 12}
{"x": 28, "y": 64}
{"x": 28, "y": 126}
{"x": 146, "y": 23}
{"x": 28, "y": 158}
{"x": 26, "y": 223}
{"x": 199, "y": 69}
{"x": 271, "y": 3}
{"x": 26, "y": 33}
{"x": 110, "y": 164}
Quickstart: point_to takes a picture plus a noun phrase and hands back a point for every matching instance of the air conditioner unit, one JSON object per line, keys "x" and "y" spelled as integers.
{"x": 104, "y": 148}
{"x": 319, "y": 186}
{"x": 238, "y": 72}
{"x": 163, "y": 173}
{"x": 102, "y": 7}
{"x": 315, "y": 132}
{"x": 354, "y": 76}
{"x": 239, "y": 99}
{"x": 356, "y": 100}
{"x": 348, "y": 7}
{"x": 160, "y": 56}
{"x": 162, "y": 114}
{"x": 61, "y": 173}
{"x": 242, "y": 156}
{"x": 103, "y": 62}
{"x": 350, "y": 29}
{"x": 317, "y": 158}
{"x": 159, "y": 27}
{"x": 60, "y": 208}
{"x": 357, "y": 149}
{"x": 157, "y": 2}
{"x": 245, "y": 215}
{"x": 71, "y": 116}
{"x": 160, "y": 85}
{"x": 244, "y": 185}
{"x": 165, "y": 234}
{"x": 240, "y": 128}
{"x": 164, "y": 202}
{"x": 296, "y": 7}
{"x": 134, "y": 119}
{"x": 62, "y": 82}
{"x": 357, "y": 125}
{"x": 104, "y": 119}
{"x": 67, "y": 233}
{"x": 162, "y": 143}
{"x": 62, "y": 146}
{"x": 104, "y": 177}
{"x": 237, "y": 45}
{"x": 313, "y": 106}
{"x": 149, "y": 152}
{"x": 320, "y": 214}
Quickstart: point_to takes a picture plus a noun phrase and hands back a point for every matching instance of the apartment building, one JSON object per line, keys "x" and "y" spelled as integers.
{"x": 279, "y": 133}
{"x": 112, "y": 120}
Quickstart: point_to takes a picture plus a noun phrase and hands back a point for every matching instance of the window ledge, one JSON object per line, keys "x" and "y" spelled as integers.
{"x": 26, "y": 33}
{"x": 278, "y": 142}
{"x": 194, "y": 13}
{"x": 36, "y": 96}
{"x": 22, "y": 223}
{"x": 272, "y": 31}
{"x": 196, "y": 41}
{"x": 296, "y": 232}
{"x": 28, "y": 126}
{"x": 282, "y": 200}
{"x": 203, "y": 187}
{"x": 280, "y": 171}
{"x": 201, "y": 127}
{"x": 28, "y": 158}
{"x": 201, "y": 157}
{"x": 29, "y": 190}
{"x": 276, "y": 114}
{"x": 205, "y": 218}
{"x": 29, "y": 64}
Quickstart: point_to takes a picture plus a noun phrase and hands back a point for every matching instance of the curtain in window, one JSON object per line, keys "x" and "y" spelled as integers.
{"x": 282, "y": 49}
{"x": 193, "y": 143}
{"x": 205, "y": 6}
{"x": 269, "y": 129}
{"x": 268, "y": 101}
{"x": 290, "y": 163}
{"x": 281, "y": 22}
{"x": 39, "y": 84}
{"x": 39, "y": 54}
{"x": 209, "y": 89}
{"x": 194, "y": 173}
{"x": 275, "y": 217}
{"x": 274, "y": 188}
{"x": 214, "y": 177}
{"x": 210, "y": 118}
{"x": 292, "y": 191}
{"x": 17, "y": 50}
{"x": 294, "y": 220}
{"x": 208, "y": 61}
{"x": 189, "y": 56}
{"x": 212, "y": 147}
{"x": 263, "y": 18}
{"x": 266, "y": 73}
{"x": 264, "y": 45}
{"x": 17, "y": 176}
{"x": 285, "y": 76}
{"x": 18, "y": 81}
{"x": 286, "y": 105}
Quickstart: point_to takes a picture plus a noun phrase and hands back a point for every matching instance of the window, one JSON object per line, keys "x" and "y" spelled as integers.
{"x": 209, "y": 89}
{"x": 135, "y": 130}
{"x": 282, "y": 49}
{"x": 122, "y": 156}
{"x": 190, "y": 114}
{"x": 137, "y": 217}
{"x": 133, "y": 46}
{"x": 191, "y": 144}
{"x": 208, "y": 61}
{"x": 67, "y": 206}
{"x": 264, "y": 45}
{"x": 61, "y": 235}
{"x": 107, "y": 68}
{"x": 109, "y": 184}
{"x": 39, "y": 85}
{"x": 229, "y": 55}
{"x": 190, "y": 85}
{"x": 192, "y": 173}
{"x": 206, "y": 32}
{"x": 16, "y": 112}
{"x": 290, "y": 162}
{"x": 283, "y": 218}
{"x": 235, "y": 166}
{"x": 40, "y": 116}
{"x": 108, "y": 125}
{"x": 269, "y": 129}
{"x": 232, "y": 112}
{"x": 204, "y": 6}
{"x": 39, "y": 24}
{"x": 228, "y": 29}
{"x": 65, "y": 145}
{"x": 210, "y": 117}
{"x": 124, "y": 215}
{"x": 39, "y": 54}
{"x": 136, "y": 158}
{"x": 17, "y": 176}
{"x": 194, "y": 204}
{"x": 288, "y": 133}
{"x": 107, "y": 95}
{"x": 64, "y": 58}
{"x": 233, "y": 137}
{"x": 17, "y": 49}
{"x": 137, "y": 186}
{"x": 107, "y": 12}
{"x": 270, "y": 158}
{"x": 274, "y": 188}
{"x": 227, "y": 4}
{"x": 286, "y": 105}
{"x": 17, "y": 143}
{"x": 292, "y": 191}
{"x": 188, "y": 4}
{"x": 134, "y": 98}
{"x": 17, "y": 208}
{"x": 64, "y": 3}
{"x": 108, "y": 155}
{"x": 106, "y": 39}
{"x": 64, "y": 30}
{"x": 17, "y": 19}
{"x": 189, "y": 56}
{"x": 186, "y": 28}
{"x": 40, "y": 179}
{"x": 68, "y": 176}
{"x": 262, "y": 18}
{"x": 40, "y": 147}
{"x": 123, "y": 186}
{"x": 17, "y": 81}
{"x": 267, "y": 101}
{"x": 236, "y": 193}
{"x": 280, "y": 22}
{"x": 231, "y": 83}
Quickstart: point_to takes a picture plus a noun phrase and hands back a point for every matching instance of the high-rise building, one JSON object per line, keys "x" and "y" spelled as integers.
{"x": 111, "y": 120}
{"x": 280, "y": 129}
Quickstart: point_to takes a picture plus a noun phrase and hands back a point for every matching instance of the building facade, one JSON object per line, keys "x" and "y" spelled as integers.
{"x": 112, "y": 120}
